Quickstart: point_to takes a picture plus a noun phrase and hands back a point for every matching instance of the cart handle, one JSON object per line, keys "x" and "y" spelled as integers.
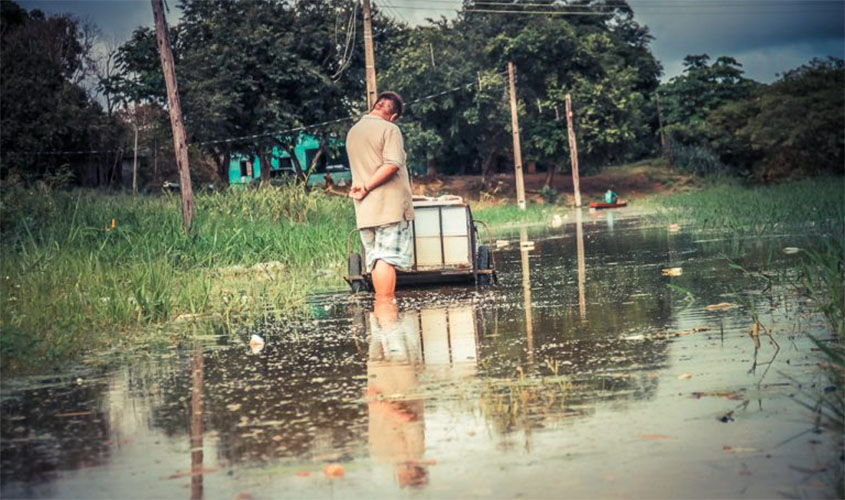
{"x": 486, "y": 228}
{"x": 349, "y": 241}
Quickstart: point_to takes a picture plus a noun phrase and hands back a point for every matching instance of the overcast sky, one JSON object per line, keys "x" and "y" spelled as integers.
{"x": 767, "y": 36}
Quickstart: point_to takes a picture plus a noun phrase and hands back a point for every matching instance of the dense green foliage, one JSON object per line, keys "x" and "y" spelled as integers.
{"x": 249, "y": 72}
{"x": 791, "y": 127}
{"x": 43, "y": 106}
{"x": 604, "y": 62}
{"x": 253, "y": 68}
{"x": 719, "y": 122}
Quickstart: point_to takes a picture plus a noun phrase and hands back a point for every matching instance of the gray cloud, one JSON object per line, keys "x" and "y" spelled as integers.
{"x": 766, "y": 40}
{"x": 115, "y": 18}
{"x": 766, "y": 36}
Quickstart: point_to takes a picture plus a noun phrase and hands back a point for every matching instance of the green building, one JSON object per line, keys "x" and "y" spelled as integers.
{"x": 244, "y": 168}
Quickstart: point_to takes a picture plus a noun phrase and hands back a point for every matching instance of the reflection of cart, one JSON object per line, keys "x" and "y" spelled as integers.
{"x": 445, "y": 248}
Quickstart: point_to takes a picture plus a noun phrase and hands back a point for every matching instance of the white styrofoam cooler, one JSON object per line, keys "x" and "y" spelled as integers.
{"x": 442, "y": 234}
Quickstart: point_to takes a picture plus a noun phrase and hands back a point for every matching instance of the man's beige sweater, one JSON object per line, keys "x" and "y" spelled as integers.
{"x": 371, "y": 143}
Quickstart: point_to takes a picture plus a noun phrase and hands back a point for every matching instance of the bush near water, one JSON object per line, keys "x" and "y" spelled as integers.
{"x": 72, "y": 281}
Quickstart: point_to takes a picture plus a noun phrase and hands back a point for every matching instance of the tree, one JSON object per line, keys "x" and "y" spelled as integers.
{"x": 603, "y": 60}
{"x": 689, "y": 98}
{"x": 43, "y": 108}
{"x": 792, "y": 127}
{"x": 253, "y": 68}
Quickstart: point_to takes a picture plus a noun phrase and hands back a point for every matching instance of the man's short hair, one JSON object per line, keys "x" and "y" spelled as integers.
{"x": 396, "y": 101}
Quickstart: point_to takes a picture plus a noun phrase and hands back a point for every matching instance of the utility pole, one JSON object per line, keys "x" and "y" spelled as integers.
{"x": 369, "y": 57}
{"x": 660, "y": 123}
{"x": 174, "y": 106}
{"x": 517, "y": 151}
{"x": 573, "y": 151}
{"x": 135, "y": 152}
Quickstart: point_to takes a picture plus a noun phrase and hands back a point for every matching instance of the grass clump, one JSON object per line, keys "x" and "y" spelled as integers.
{"x": 73, "y": 280}
{"x": 501, "y": 216}
{"x": 817, "y": 204}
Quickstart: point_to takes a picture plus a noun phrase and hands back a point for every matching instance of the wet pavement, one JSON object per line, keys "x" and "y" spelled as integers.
{"x": 591, "y": 370}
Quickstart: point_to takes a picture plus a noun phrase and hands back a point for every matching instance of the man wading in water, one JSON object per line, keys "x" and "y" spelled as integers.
{"x": 381, "y": 191}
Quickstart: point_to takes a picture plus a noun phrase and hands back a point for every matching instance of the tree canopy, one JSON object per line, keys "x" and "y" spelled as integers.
{"x": 253, "y": 74}
{"x": 43, "y": 107}
{"x": 604, "y": 61}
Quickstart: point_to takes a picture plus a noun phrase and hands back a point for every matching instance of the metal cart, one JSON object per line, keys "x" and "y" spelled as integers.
{"x": 445, "y": 248}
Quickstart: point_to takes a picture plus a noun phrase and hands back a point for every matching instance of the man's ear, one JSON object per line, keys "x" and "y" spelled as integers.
{"x": 394, "y": 117}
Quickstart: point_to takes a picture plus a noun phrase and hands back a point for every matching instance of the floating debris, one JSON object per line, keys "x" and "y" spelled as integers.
{"x": 672, "y": 271}
{"x": 557, "y": 221}
{"x": 685, "y": 376}
{"x": 731, "y": 395}
{"x": 653, "y": 437}
{"x": 256, "y": 344}
{"x": 791, "y": 250}
{"x": 74, "y": 414}
{"x": 674, "y": 228}
{"x": 334, "y": 471}
{"x": 721, "y": 306}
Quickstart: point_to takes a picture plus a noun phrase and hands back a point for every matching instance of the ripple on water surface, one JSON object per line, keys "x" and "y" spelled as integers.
{"x": 583, "y": 373}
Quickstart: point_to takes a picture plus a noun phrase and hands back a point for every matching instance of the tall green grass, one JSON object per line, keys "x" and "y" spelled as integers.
{"x": 71, "y": 283}
{"x": 816, "y": 204}
{"x": 502, "y": 216}
{"x": 814, "y": 208}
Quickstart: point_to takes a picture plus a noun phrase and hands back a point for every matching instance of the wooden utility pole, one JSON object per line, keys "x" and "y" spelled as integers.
{"x": 660, "y": 123}
{"x": 573, "y": 151}
{"x": 135, "y": 157}
{"x": 517, "y": 151}
{"x": 180, "y": 145}
{"x": 369, "y": 57}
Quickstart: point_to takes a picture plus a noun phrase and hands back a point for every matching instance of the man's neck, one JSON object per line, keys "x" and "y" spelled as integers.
{"x": 379, "y": 114}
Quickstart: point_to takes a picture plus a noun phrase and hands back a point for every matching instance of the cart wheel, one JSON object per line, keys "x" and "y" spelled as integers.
{"x": 484, "y": 262}
{"x": 355, "y": 268}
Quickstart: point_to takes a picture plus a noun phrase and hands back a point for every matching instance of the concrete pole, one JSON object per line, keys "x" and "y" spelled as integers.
{"x": 180, "y": 145}
{"x": 517, "y": 150}
{"x": 135, "y": 157}
{"x": 369, "y": 57}
{"x": 573, "y": 151}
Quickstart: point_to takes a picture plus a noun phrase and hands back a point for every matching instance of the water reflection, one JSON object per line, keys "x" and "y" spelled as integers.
{"x": 197, "y": 363}
{"x": 396, "y": 413}
{"x": 525, "y": 247}
{"x": 462, "y": 376}
{"x": 582, "y": 266}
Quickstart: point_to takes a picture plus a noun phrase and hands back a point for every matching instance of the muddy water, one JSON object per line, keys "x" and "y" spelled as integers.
{"x": 581, "y": 374}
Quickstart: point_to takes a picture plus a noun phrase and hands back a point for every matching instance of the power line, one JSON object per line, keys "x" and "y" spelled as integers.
{"x": 611, "y": 3}
{"x": 673, "y": 12}
{"x": 652, "y": 6}
{"x": 301, "y": 128}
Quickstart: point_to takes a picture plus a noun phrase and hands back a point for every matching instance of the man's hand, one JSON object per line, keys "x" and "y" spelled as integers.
{"x": 357, "y": 192}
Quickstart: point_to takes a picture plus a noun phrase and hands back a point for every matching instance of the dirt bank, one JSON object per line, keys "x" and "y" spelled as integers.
{"x": 629, "y": 181}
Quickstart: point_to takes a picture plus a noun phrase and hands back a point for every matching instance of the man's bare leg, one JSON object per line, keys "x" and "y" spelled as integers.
{"x": 384, "y": 279}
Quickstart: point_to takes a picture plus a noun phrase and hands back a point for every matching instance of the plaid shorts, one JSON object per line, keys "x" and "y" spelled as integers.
{"x": 390, "y": 243}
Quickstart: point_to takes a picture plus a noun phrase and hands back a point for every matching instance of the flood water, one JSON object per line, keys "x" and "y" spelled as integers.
{"x": 583, "y": 373}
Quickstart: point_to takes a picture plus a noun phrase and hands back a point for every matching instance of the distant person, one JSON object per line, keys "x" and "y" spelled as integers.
{"x": 381, "y": 191}
{"x": 610, "y": 196}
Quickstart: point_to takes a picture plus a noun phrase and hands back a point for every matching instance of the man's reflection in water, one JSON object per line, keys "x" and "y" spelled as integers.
{"x": 397, "y": 424}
